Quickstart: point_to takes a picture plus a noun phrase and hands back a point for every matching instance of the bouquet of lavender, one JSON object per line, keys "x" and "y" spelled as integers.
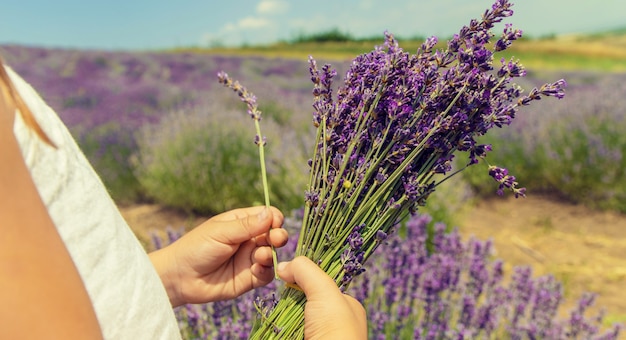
{"x": 388, "y": 139}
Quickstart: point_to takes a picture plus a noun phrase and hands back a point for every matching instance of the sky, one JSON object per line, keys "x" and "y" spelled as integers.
{"x": 159, "y": 24}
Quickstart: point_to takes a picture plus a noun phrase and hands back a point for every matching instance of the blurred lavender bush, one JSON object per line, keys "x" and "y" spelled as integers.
{"x": 456, "y": 292}
{"x": 204, "y": 159}
{"x": 194, "y": 162}
{"x": 574, "y": 148}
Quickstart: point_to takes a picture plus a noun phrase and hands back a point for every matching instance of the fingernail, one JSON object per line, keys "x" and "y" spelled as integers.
{"x": 294, "y": 286}
{"x": 281, "y": 266}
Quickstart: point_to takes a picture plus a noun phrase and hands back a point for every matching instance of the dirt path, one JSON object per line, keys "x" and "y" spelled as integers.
{"x": 584, "y": 249}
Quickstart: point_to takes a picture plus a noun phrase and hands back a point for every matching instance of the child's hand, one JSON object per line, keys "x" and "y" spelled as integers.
{"x": 328, "y": 313}
{"x": 222, "y": 258}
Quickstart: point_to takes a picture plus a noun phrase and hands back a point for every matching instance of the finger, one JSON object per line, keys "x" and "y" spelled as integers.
{"x": 261, "y": 240}
{"x": 262, "y": 256}
{"x": 237, "y": 214}
{"x": 252, "y": 261}
{"x": 240, "y": 225}
{"x": 278, "y": 237}
{"x": 275, "y": 237}
{"x": 315, "y": 283}
{"x": 279, "y": 218}
{"x": 359, "y": 314}
{"x": 261, "y": 275}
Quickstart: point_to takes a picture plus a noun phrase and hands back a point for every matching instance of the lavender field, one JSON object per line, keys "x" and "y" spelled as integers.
{"x": 131, "y": 111}
{"x": 159, "y": 128}
{"x": 123, "y": 107}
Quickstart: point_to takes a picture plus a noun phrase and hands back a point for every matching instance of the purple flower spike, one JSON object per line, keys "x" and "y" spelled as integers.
{"x": 248, "y": 98}
{"x": 501, "y": 175}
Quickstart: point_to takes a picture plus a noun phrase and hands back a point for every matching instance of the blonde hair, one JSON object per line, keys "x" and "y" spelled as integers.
{"x": 13, "y": 97}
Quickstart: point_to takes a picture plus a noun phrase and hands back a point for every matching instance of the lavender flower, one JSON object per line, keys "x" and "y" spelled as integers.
{"x": 352, "y": 257}
{"x": 507, "y": 181}
{"x": 442, "y": 307}
{"x": 247, "y": 97}
{"x": 388, "y": 139}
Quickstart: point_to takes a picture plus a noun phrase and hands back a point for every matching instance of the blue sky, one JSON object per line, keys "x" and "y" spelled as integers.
{"x": 156, "y": 24}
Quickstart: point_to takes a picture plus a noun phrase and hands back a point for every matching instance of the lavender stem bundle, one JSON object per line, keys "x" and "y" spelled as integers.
{"x": 388, "y": 139}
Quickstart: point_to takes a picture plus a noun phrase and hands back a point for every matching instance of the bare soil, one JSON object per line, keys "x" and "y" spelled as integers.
{"x": 583, "y": 248}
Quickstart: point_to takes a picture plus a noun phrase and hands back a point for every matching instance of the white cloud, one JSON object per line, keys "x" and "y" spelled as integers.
{"x": 260, "y": 28}
{"x": 251, "y": 28}
{"x": 253, "y": 23}
{"x": 271, "y": 7}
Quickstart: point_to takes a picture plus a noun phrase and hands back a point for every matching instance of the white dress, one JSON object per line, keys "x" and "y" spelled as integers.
{"x": 128, "y": 297}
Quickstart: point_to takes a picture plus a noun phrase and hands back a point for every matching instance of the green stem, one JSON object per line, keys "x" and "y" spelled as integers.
{"x": 266, "y": 192}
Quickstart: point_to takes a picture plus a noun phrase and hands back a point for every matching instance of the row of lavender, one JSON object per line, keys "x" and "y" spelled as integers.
{"x": 149, "y": 120}
{"x": 448, "y": 289}
{"x": 574, "y": 148}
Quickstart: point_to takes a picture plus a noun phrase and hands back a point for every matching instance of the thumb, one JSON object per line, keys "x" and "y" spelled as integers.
{"x": 239, "y": 225}
{"x": 315, "y": 283}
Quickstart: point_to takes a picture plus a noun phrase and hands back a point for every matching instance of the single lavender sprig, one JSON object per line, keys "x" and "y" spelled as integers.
{"x": 253, "y": 110}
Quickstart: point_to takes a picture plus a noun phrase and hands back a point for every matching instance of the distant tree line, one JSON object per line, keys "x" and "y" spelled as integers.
{"x": 336, "y": 35}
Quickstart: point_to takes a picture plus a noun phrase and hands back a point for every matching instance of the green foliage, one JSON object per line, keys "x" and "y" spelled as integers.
{"x": 199, "y": 163}
{"x": 207, "y": 162}
{"x": 449, "y": 198}
{"x": 515, "y": 151}
{"x": 544, "y": 59}
{"x": 588, "y": 164}
{"x": 277, "y": 112}
{"x": 582, "y": 161}
{"x": 332, "y": 35}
